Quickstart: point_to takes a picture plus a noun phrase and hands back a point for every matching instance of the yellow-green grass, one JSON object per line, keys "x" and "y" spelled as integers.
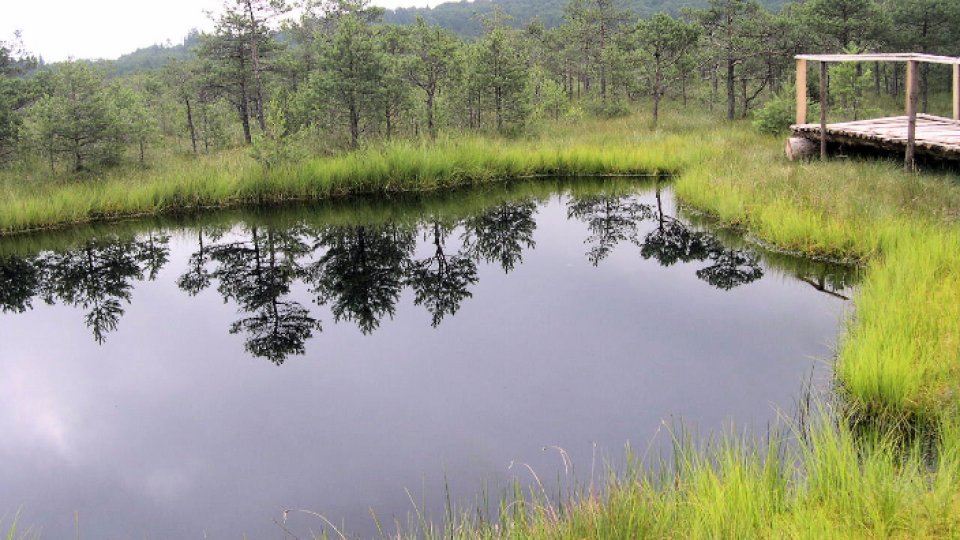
{"x": 898, "y": 365}
{"x": 233, "y": 179}
{"x": 899, "y": 360}
{"x": 901, "y": 355}
{"x": 828, "y": 485}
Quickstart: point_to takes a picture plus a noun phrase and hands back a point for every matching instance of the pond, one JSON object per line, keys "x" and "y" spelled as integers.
{"x": 195, "y": 377}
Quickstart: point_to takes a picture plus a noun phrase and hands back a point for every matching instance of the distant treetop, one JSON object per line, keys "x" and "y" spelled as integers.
{"x": 464, "y": 17}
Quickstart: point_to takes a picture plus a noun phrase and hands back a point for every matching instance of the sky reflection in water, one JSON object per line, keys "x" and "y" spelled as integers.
{"x": 419, "y": 342}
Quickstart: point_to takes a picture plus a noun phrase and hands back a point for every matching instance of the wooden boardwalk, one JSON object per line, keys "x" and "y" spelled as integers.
{"x": 935, "y": 136}
{"x": 913, "y": 133}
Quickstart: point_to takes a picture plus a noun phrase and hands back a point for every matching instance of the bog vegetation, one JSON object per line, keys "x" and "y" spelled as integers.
{"x": 329, "y": 76}
{"x": 328, "y": 100}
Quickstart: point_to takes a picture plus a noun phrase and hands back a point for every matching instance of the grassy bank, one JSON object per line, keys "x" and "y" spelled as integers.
{"x": 901, "y": 357}
{"x": 861, "y": 472}
{"x": 886, "y": 464}
{"x": 828, "y": 485}
{"x": 232, "y": 179}
{"x": 898, "y": 365}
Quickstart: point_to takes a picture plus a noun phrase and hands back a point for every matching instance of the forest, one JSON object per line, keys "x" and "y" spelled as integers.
{"x": 465, "y": 18}
{"x": 332, "y": 76}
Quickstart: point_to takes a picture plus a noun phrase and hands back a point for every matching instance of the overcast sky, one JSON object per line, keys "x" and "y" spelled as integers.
{"x": 58, "y": 29}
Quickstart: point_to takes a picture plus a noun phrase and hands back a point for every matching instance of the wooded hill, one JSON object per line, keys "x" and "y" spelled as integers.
{"x": 464, "y": 17}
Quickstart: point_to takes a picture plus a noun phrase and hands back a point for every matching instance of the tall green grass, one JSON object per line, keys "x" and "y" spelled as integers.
{"x": 395, "y": 168}
{"x": 806, "y": 483}
{"x": 871, "y": 474}
{"x": 898, "y": 364}
{"x": 900, "y": 359}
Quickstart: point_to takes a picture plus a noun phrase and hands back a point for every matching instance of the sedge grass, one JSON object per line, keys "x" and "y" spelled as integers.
{"x": 820, "y": 482}
{"x": 900, "y": 359}
{"x": 235, "y": 180}
{"x": 898, "y": 364}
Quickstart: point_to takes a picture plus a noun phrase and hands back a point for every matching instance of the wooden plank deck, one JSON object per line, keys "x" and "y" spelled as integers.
{"x": 935, "y": 136}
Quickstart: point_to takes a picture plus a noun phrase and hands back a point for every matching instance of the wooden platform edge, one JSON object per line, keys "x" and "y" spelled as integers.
{"x": 850, "y": 140}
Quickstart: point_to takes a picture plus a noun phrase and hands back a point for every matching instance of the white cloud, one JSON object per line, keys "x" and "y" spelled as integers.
{"x": 61, "y": 29}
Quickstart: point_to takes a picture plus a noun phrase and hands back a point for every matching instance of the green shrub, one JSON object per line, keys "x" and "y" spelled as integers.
{"x": 779, "y": 113}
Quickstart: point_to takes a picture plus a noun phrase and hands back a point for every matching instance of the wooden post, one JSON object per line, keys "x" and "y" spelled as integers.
{"x": 909, "y": 161}
{"x": 823, "y": 110}
{"x": 802, "y": 91}
{"x": 956, "y": 91}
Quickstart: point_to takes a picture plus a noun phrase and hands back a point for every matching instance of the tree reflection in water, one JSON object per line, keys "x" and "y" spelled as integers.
{"x": 98, "y": 277}
{"x": 614, "y": 219}
{"x": 256, "y": 270}
{"x": 610, "y": 219}
{"x": 500, "y": 235}
{"x": 361, "y": 273}
{"x": 441, "y": 282}
{"x": 358, "y": 272}
{"x": 19, "y": 280}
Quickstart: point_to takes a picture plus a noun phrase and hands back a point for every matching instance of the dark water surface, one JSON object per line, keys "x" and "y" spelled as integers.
{"x": 193, "y": 379}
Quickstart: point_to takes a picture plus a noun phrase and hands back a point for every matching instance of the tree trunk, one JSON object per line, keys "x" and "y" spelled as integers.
{"x": 245, "y": 120}
{"x": 876, "y": 78}
{"x": 244, "y": 108}
{"x": 714, "y": 86}
{"x": 193, "y": 130}
{"x": 656, "y": 108}
{"x": 745, "y": 104}
{"x": 430, "y": 127}
{"x": 255, "y": 60}
{"x": 499, "y": 106}
{"x": 603, "y": 63}
{"x": 683, "y": 88}
{"x": 354, "y": 126}
{"x": 924, "y": 87}
{"x": 731, "y": 89}
{"x": 77, "y": 157}
{"x": 206, "y": 129}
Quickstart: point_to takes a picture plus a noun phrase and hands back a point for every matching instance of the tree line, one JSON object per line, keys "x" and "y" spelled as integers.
{"x": 332, "y": 75}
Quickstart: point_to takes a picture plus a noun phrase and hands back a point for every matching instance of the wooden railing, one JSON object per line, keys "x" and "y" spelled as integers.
{"x": 913, "y": 62}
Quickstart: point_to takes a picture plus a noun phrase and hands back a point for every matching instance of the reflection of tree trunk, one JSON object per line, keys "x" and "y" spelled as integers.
{"x": 440, "y": 255}
{"x": 821, "y": 286}
{"x": 360, "y": 257}
{"x": 201, "y": 258}
{"x": 660, "y": 217}
{"x": 607, "y": 225}
{"x": 276, "y": 316}
{"x": 256, "y": 254}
